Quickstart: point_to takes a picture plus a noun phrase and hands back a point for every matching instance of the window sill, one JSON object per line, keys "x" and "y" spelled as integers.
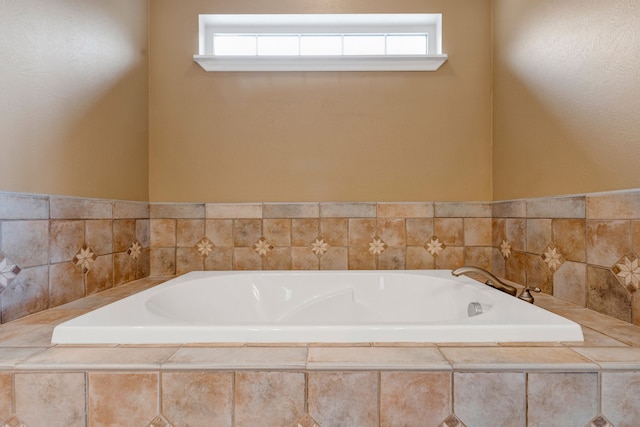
{"x": 356, "y": 63}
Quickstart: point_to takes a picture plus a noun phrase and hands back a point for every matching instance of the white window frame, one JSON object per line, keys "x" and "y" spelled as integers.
{"x": 329, "y": 24}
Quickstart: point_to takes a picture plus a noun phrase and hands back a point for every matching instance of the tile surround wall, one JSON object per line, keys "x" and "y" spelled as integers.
{"x": 583, "y": 249}
{"x": 55, "y": 250}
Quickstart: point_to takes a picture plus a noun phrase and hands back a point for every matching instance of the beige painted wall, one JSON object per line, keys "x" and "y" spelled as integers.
{"x": 74, "y": 97}
{"x": 219, "y": 137}
{"x": 567, "y": 96}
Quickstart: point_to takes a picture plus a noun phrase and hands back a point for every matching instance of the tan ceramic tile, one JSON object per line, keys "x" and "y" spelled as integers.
{"x": 233, "y": 210}
{"x": 304, "y": 259}
{"x": 277, "y": 259}
{"x": 419, "y": 259}
{"x": 498, "y": 231}
{"x": 277, "y": 231}
{"x": 450, "y": 258}
{"x": 570, "y": 283}
{"x": 393, "y": 259}
{"x": 414, "y": 398}
{"x": 220, "y": 259}
{"x": 38, "y": 337}
{"x": 538, "y": 235}
{"x": 419, "y": 231}
{"x": 268, "y": 398}
{"x": 477, "y": 231}
{"x": 5, "y": 395}
{"x": 556, "y": 207}
{"x": 177, "y": 210}
{"x": 612, "y": 358}
{"x": 123, "y": 398}
{"x": 635, "y": 237}
{"x": 620, "y": 392}
{"x": 606, "y": 295}
{"x": 574, "y": 400}
{"x": 607, "y": 242}
{"x": 516, "y": 233}
{"x": 392, "y": 231}
{"x": 343, "y": 398}
{"x": 538, "y": 273}
{"x": 290, "y": 210}
{"x": 449, "y": 231}
{"x": 396, "y": 358}
{"x": 77, "y": 208}
{"x": 246, "y": 232}
{"x": 529, "y": 358}
{"x": 220, "y": 232}
{"x": 10, "y": 357}
{"x": 188, "y": 259}
{"x": 336, "y": 258}
{"x": 66, "y": 284}
{"x": 361, "y": 259}
{"x": 625, "y": 333}
{"x": 26, "y": 243}
{"x": 27, "y": 294}
{"x": 304, "y": 231}
{"x": 163, "y": 233}
{"x": 197, "y": 398}
{"x": 125, "y": 209}
{"x": 98, "y": 358}
{"x": 405, "y": 210}
{"x": 347, "y": 210}
{"x": 143, "y": 232}
{"x": 361, "y": 231}
{"x": 124, "y": 268}
{"x": 99, "y": 236}
{"x": 50, "y": 399}
{"x": 593, "y": 338}
{"x": 618, "y": 205}
{"x": 335, "y": 231}
{"x": 463, "y": 210}
{"x": 479, "y": 256}
{"x": 124, "y": 234}
{"x": 100, "y": 277}
{"x": 163, "y": 261}
{"x": 23, "y": 206}
{"x": 509, "y": 209}
{"x": 189, "y": 232}
{"x": 238, "y": 358}
{"x": 477, "y": 396}
{"x": 569, "y": 236}
{"x": 246, "y": 259}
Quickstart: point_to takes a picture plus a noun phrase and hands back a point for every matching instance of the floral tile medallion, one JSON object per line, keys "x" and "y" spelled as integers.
{"x": 262, "y": 247}
{"x": 452, "y": 421}
{"x": 135, "y": 250}
{"x": 377, "y": 246}
{"x": 505, "y": 249}
{"x": 8, "y": 271}
{"x": 600, "y": 421}
{"x": 84, "y": 259}
{"x": 204, "y": 247}
{"x": 552, "y": 257}
{"x": 627, "y": 271}
{"x": 319, "y": 247}
{"x": 435, "y": 246}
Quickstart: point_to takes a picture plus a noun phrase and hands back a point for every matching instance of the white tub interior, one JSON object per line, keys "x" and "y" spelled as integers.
{"x": 317, "y": 306}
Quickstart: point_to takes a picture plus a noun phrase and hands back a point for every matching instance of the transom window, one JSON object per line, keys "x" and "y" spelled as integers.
{"x": 320, "y": 42}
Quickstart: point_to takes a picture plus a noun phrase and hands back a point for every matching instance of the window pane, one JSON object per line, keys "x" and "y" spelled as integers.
{"x": 321, "y": 45}
{"x": 407, "y": 44}
{"x": 278, "y": 45}
{"x": 238, "y": 45}
{"x": 364, "y": 45}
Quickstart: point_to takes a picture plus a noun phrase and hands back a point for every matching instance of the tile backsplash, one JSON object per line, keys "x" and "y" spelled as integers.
{"x": 583, "y": 249}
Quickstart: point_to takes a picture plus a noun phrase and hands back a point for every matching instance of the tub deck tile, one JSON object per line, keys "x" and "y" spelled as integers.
{"x": 98, "y": 358}
{"x": 368, "y": 358}
{"x": 12, "y": 356}
{"x": 612, "y": 358}
{"x": 238, "y": 358}
{"x": 517, "y": 358}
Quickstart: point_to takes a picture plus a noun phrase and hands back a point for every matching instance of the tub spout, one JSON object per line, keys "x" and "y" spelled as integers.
{"x": 491, "y": 280}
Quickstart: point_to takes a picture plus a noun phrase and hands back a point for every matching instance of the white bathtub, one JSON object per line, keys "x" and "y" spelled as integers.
{"x": 317, "y": 306}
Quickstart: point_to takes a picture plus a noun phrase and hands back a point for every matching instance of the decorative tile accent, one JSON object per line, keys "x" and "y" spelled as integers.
{"x": 435, "y": 246}
{"x": 205, "y": 247}
{"x": 14, "y": 422}
{"x": 377, "y": 246}
{"x": 552, "y": 257}
{"x": 452, "y": 421}
{"x": 600, "y": 421}
{"x": 84, "y": 259}
{"x": 160, "y": 421}
{"x": 306, "y": 421}
{"x": 505, "y": 249}
{"x": 627, "y": 270}
{"x": 319, "y": 247}
{"x": 135, "y": 250}
{"x": 262, "y": 247}
{"x": 8, "y": 271}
